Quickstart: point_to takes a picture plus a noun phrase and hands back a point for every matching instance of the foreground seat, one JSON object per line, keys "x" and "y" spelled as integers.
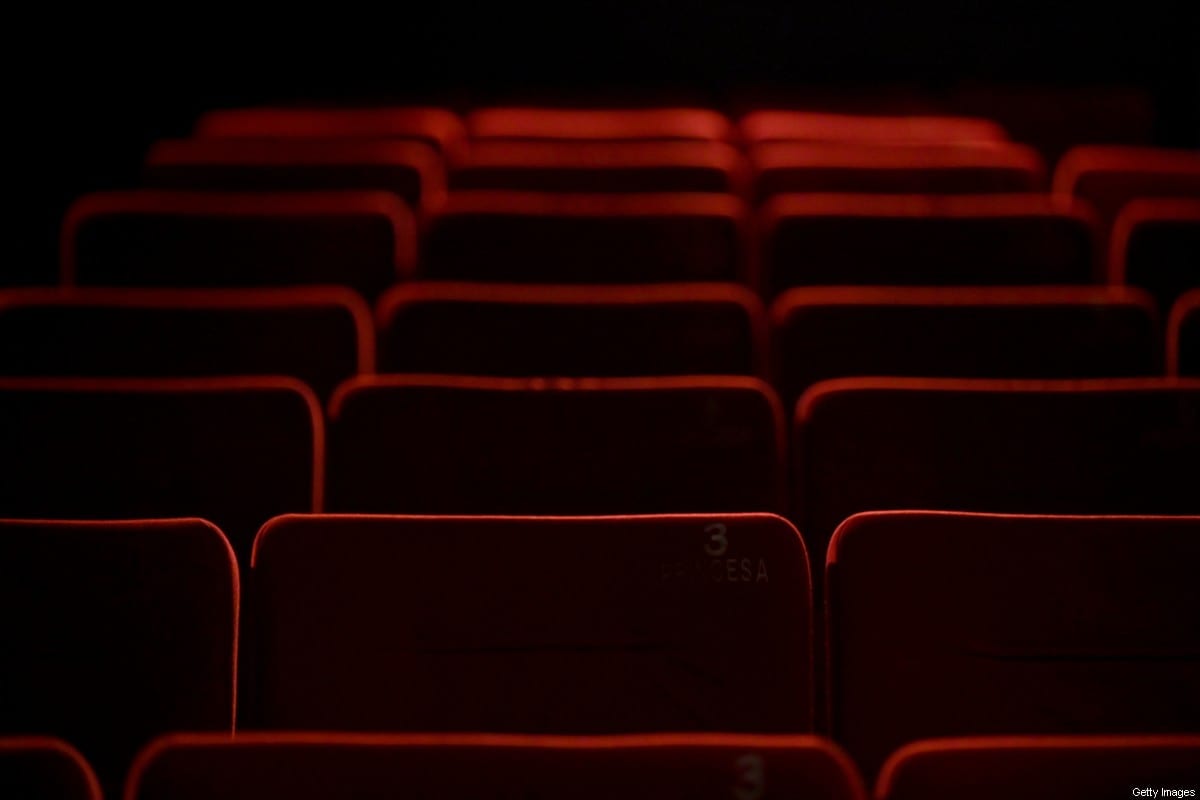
{"x": 460, "y": 445}
{"x": 1039, "y": 767}
{"x": 115, "y": 633}
{"x": 44, "y": 768}
{"x": 618, "y": 238}
{"x": 904, "y": 240}
{"x": 535, "y": 625}
{"x": 496, "y": 329}
{"x": 948, "y": 624}
{"x": 321, "y": 336}
{"x": 364, "y": 240}
{"x": 272, "y": 766}
{"x": 236, "y": 451}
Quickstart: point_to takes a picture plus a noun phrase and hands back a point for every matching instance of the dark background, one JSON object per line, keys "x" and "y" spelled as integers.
{"x": 99, "y": 85}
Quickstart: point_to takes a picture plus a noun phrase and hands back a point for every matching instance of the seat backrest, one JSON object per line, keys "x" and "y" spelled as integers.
{"x": 1128, "y": 446}
{"x": 116, "y": 632}
{"x": 568, "y": 238}
{"x": 758, "y": 127}
{"x": 1040, "y": 767}
{"x": 533, "y": 625}
{"x": 487, "y": 329}
{"x": 950, "y": 624}
{"x": 1033, "y": 332}
{"x": 1183, "y": 336}
{"x": 410, "y": 170}
{"x": 44, "y": 768}
{"x": 458, "y": 445}
{"x": 280, "y": 766}
{"x": 622, "y": 166}
{"x": 1109, "y": 176}
{"x": 599, "y": 124}
{"x": 953, "y": 240}
{"x": 436, "y": 126}
{"x": 236, "y": 451}
{"x": 1156, "y": 245}
{"x": 798, "y": 167}
{"x": 321, "y": 336}
{"x": 362, "y": 239}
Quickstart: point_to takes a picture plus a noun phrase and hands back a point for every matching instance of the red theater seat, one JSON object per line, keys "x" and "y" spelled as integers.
{"x": 1183, "y": 336}
{"x": 534, "y": 625}
{"x": 603, "y": 167}
{"x": 925, "y": 240}
{"x": 1128, "y": 446}
{"x": 596, "y": 238}
{"x": 436, "y": 126}
{"x": 411, "y": 170}
{"x": 1156, "y": 245}
{"x": 640, "y": 124}
{"x": 670, "y": 766}
{"x": 961, "y": 624}
{"x": 1041, "y": 332}
{"x": 791, "y": 167}
{"x": 496, "y": 329}
{"x": 759, "y": 127}
{"x": 43, "y": 768}
{"x": 1040, "y": 767}
{"x": 114, "y": 633}
{"x": 1108, "y": 177}
{"x": 365, "y": 240}
{"x": 451, "y": 445}
{"x": 320, "y": 335}
{"x": 236, "y": 451}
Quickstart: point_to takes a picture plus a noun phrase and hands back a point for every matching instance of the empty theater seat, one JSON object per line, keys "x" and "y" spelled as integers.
{"x": 1156, "y": 245}
{"x": 44, "y": 768}
{"x": 482, "y": 329}
{"x": 280, "y": 766}
{"x": 790, "y": 167}
{"x": 533, "y": 625}
{"x": 603, "y": 167}
{"x": 236, "y": 451}
{"x": 595, "y": 238}
{"x": 1039, "y": 767}
{"x": 319, "y": 335}
{"x": 1108, "y": 177}
{"x": 115, "y": 633}
{"x": 147, "y": 238}
{"x": 925, "y": 240}
{"x": 1183, "y": 336}
{"x": 1044, "y": 332}
{"x": 637, "y": 124}
{"x": 453, "y": 445}
{"x": 961, "y": 624}
{"x": 1129, "y": 446}
{"x": 759, "y": 127}
{"x": 365, "y": 240}
{"x": 436, "y": 126}
{"x": 411, "y": 170}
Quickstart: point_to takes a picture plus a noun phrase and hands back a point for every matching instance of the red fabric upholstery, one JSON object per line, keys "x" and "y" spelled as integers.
{"x": 534, "y": 625}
